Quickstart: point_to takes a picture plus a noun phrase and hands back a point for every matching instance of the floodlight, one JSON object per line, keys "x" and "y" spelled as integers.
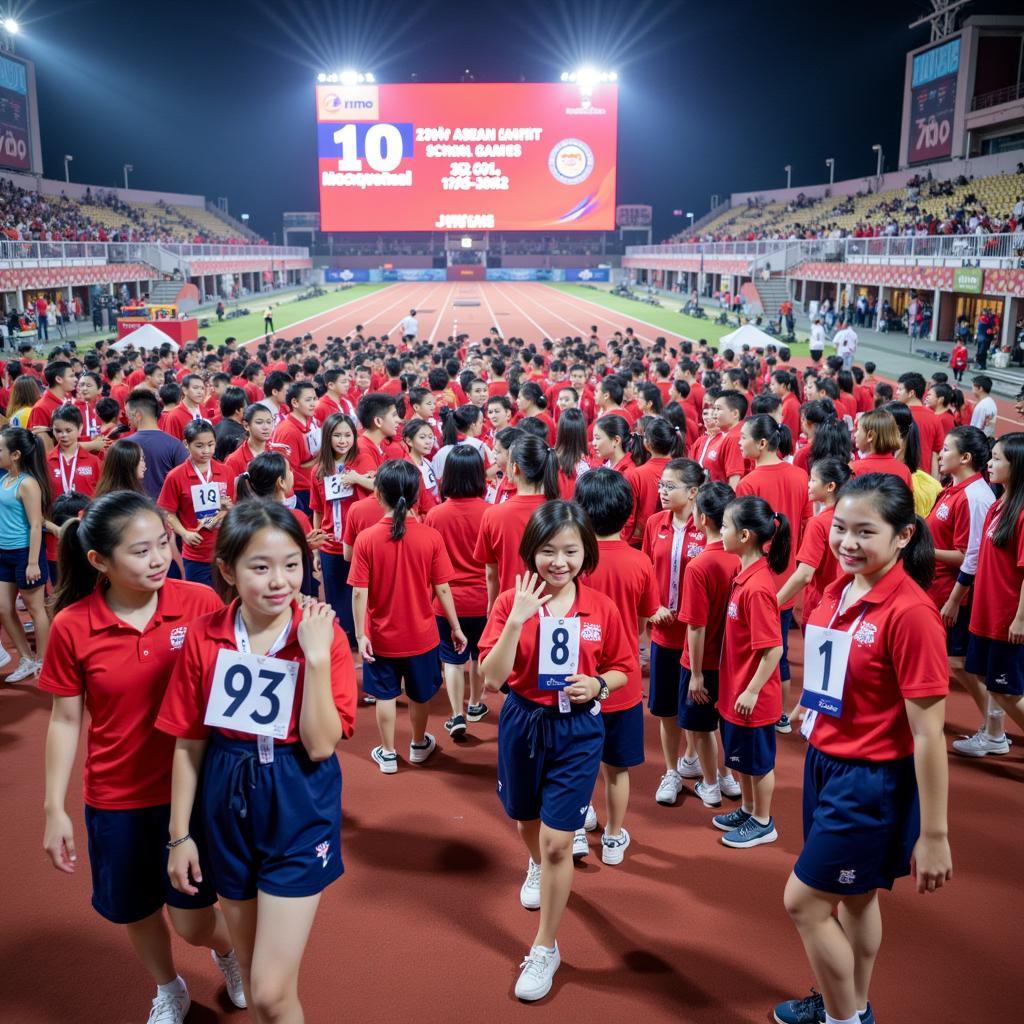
{"x": 613, "y": 76}
{"x": 572, "y": 76}
{"x": 370, "y": 78}
{"x": 10, "y": 26}
{"x": 587, "y": 77}
{"x": 348, "y": 77}
{"x": 321, "y": 78}
{"x": 565, "y": 76}
{"x": 332, "y": 78}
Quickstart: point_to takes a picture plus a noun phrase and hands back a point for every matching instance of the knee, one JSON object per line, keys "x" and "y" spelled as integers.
{"x": 556, "y": 848}
{"x": 803, "y": 910}
{"x": 272, "y": 997}
{"x": 195, "y": 927}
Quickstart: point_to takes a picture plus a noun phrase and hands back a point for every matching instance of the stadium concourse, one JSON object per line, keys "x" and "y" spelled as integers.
{"x": 427, "y": 925}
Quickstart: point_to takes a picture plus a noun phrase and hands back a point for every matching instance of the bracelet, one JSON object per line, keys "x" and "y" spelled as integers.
{"x": 177, "y": 842}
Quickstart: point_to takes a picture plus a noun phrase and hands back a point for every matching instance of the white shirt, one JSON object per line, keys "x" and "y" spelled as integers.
{"x": 409, "y": 326}
{"x": 846, "y": 342}
{"x": 984, "y": 416}
{"x": 817, "y": 337}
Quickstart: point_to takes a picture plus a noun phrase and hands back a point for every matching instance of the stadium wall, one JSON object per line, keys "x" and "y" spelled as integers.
{"x": 350, "y": 274}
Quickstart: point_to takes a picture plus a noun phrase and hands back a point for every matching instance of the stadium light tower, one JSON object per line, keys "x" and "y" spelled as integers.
{"x": 588, "y": 77}
{"x": 11, "y": 28}
{"x": 67, "y": 160}
{"x": 881, "y": 156}
{"x": 830, "y": 163}
{"x": 789, "y": 175}
{"x": 690, "y": 215}
{"x": 127, "y": 168}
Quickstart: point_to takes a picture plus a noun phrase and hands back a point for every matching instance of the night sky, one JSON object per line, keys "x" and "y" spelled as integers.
{"x": 216, "y": 97}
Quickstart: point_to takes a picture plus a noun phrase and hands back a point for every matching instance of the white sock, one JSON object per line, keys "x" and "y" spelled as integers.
{"x": 855, "y": 1019}
{"x": 173, "y": 988}
{"x": 761, "y": 821}
{"x": 861, "y": 1012}
{"x": 550, "y": 949}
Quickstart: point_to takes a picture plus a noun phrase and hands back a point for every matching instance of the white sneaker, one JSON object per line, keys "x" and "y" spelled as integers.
{"x": 613, "y": 848}
{"x": 689, "y": 768}
{"x": 419, "y": 752}
{"x": 27, "y": 667}
{"x": 538, "y": 972}
{"x": 386, "y": 761}
{"x": 978, "y": 745}
{"x": 529, "y": 893}
{"x": 580, "y": 846}
{"x": 590, "y": 822}
{"x": 170, "y": 1009}
{"x": 5, "y": 656}
{"x": 669, "y": 788}
{"x": 228, "y": 966}
{"x": 729, "y": 786}
{"x": 710, "y": 795}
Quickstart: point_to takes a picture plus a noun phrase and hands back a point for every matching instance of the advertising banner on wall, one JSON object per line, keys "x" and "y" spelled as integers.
{"x": 588, "y": 274}
{"x": 346, "y": 275}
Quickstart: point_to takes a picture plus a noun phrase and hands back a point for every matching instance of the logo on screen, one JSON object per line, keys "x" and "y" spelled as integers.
{"x": 585, "y": 107}
{"x": 571, "y": 161}
{"x": 349, "y": 103}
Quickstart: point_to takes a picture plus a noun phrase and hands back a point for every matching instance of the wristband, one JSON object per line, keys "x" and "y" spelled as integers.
{"x": 177, "y": 842}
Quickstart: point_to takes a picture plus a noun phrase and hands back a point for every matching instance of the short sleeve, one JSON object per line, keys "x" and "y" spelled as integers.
{"x": 650, "y": 599}
{"x": 63, "y": 671}
{"x": 184, "y": 704}
{"x": 441, "y": 570}
{"x": 343, "y": 682}
{"x": 917, "y": 647}
{"x": 695, "y": 602}
{"x": 495, "y": 623}
{"x": 359, "y": 572}
{"x": 316, "y": 496}
{"x": 814, "y": 545}
{"x": 484, "y": 551}
{"x": 349, "y": 531}
{"x": 170, "y": 494}
{"x": 733, "y": 463}
{"x": 763, "y": 617}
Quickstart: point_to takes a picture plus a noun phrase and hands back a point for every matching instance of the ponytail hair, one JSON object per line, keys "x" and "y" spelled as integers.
{"x": 712, "y": 500}
{"x": 614, "y": 425}
{"x": 100, "y": 529}
{"x": 32, "y": 462}
{"x": 397, "y": 484}
{"x": 261, "y": 476}
{"x": 970, "y": 441}
{"x": 689, "y": 471}
{"x": 537, "y": 464}
{"x": 458, "y": 421}
{"x": 531, "y": 391}
{"x": 831, "y": 438}
{"x": 908, "y": 432}
{"x": 764, "y": 428}
{"x": 675, "y": 415}
{"x": 664, "y": 439}
{"x": 893, "y": 500}
{"x": 832, "y": 471}
{"x": 769, "y": 527}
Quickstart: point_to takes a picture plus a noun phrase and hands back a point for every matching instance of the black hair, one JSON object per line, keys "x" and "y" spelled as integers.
{"x": 294, "y": 392}
{"x": 831, "y": 438}
{"x": 675, "y": 415}
{"x": 503, "y": 400}
{"x": 571, "y": 441}
{"x": 458, "y": 421}
{"x": 651, "y": 393}
{"x": 908, "y": 431}
{"x": 33, "y": 460}
{"x": 68, "y": 414}
{"x": 67, "y": 506}
{"x": 549, "y": 519}
{"x": 913, "y": 382}
{"x": 508, "y": 436}
{"x": 233, "y": 400}
{"x": 613, "y": 387}
{"x": 531, "y": 391}
{"x": 664, "y": 439}
{"x": 607, "y": 498}
{"x": 534, "y": 427}
{"x": 713, "y": 499}
{"x": 1012, "y": 445}
{"x": 691, "y": 472}
{"x": 397, "y": 483}
{"x": 107, "y": 411}
{"x": 196, "y": 427}
{"x": 100, "y": 529}
{"x": 120, "y": 470}
{"x": 372, "y": 405}
{"x": 769, "y": 527}
{"x": 261, "y": 476}
{"x": 973, "y": 442}
{"x": 735, "y": 400}
{"x": 614, "y": 425}
{"x": 143, "y": 400}
{"x": 242, "y": 522}
{"x": 52, "y": 372}
{"x": 463, "y": 475}
{"x": 832, "y": 471}
{"x": 894, "y": 502}
{"x": 536, "y": 463}
{"x": 764, "y": 428}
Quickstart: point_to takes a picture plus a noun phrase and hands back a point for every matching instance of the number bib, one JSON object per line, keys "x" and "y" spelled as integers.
{"x": 313, "y": 443}
{"x": 559, "y": 652}
{"x": 206, "y": 499}
{"x": 252, "y": 694}
{"x": 826, "y": 653}
{"x": 334, "y": 489}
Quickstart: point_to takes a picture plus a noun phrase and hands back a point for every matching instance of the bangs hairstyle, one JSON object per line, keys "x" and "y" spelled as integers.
{"x": 550, "y": 519}
{"x": 240, "y": 525}
{"x": 883, "y": 425}
{"x": 326, "y": 463}
{"x": 196, "y": 428}
{"x": 463, "y": 475}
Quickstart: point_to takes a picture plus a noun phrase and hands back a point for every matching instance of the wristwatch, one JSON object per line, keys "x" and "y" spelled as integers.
{"x": 603, "y": 692}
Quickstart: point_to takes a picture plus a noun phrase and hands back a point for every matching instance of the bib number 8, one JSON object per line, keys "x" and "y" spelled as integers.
{"x": 560, "y": 646}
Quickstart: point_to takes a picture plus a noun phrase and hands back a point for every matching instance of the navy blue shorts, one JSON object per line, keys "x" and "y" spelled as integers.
{"x": 273, "y": 828}
{"x": 128, "y": 858}
{"x": 624, "y": 737}
{"x": 749, "y": 749}
{"x": 998, "y": 662}
{"x": 383, "y": 677}
{"x": 548, "y": 761}
{"x": 302, "y": 501}
{"x": 337, "y": 591}
{"x": 861, "y": 820}
{"x": 785, "y": 621}
{"x": 473, "y": 627}
{"x": 198, "y": 572}
{"x": 663, "y": 695}
{"x": 698, "y": 717}
{"x": 12, "y": 567}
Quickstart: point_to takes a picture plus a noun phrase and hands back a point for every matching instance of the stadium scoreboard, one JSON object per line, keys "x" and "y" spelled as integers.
{"x": 466, "y": 157}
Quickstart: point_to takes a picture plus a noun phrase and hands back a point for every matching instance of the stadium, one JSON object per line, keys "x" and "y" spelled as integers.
{"x": 321, "y": 404}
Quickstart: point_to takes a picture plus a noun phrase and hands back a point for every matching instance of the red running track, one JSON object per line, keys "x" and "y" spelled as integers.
{"x": 426, "y": 924}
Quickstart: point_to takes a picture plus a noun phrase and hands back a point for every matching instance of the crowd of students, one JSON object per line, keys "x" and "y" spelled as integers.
{"x": 550, "y": 522}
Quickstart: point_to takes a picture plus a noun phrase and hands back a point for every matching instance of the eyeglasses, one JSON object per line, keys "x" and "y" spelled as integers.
{"x": 668, "y": 488}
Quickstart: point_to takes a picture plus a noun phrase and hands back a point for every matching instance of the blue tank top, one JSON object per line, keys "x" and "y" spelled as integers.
{"x": 14, "y": 530}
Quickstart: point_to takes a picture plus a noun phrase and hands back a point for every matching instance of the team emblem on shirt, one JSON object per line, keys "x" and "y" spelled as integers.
{"x": 847, "y": 876}
{"x": 733, "y": 613}
{"x": 178, "y": 635}
{"x": 865, "y": 634}
{"x": 323, "y": 851}
{"x": 591, "y": 631}
{"x": 693, "y": 550}
{"x": 942, "y": 512}
{"x": 85, "y": 471}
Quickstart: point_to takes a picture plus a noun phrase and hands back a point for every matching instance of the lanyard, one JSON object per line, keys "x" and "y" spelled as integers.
{"x": 704, "y": 450}
{"x": 67, "y": 482}
{"x": 242, "y": 636}
{"x": 678, "y": 537}
{"x": 204, "y": 479}
{"x": 339, "y": 467}
{"x": 835, "y": 614}
{"x": 90, "y": 420}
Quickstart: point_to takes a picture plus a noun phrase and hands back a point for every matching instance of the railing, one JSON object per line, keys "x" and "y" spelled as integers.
{"x": 132, "y": 252}
{"x": 997, "y": 96}
{"x": 891, "y": 249}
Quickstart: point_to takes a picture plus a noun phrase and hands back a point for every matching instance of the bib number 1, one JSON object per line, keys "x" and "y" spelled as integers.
{"x": 252, "y": 694}
{"x": 559, "y": 642}
{"x": 826, "y": 653}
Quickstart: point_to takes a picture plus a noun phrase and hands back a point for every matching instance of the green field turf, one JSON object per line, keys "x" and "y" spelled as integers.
{"x": 286, "y": 311}
{"x": 666, "y": 317}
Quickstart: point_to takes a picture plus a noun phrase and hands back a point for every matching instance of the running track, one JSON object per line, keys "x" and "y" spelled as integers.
{"x": 426, "y": 924}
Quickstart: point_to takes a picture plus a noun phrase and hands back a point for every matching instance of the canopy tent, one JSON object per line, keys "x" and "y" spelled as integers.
{"x": 147, "y": 337}
{"x": 750, "y": 335}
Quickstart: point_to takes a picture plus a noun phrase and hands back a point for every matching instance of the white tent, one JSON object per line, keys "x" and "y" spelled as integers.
{"x": 750, "y": 335}
{"x": 147, "y": 336}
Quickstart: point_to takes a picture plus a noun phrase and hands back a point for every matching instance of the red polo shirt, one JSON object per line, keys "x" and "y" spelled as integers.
{"x": 333, "y": 514}
{"x": 362, "y": 514}
{"x": 887, "y": 463}
{"x": 627, "y": 577}
{"x": 184, "y": 705}
{"x": 644, "y": 482}
{"x": 458, "y": 521}
{"x": 123, "y": 673}
{"x": 501, "y": 530}
{"x": 42, "y": 412}
{"x": 751, "y": 628}
{"x": 898, "y": 652}
{"x": 671, "y": 549}
{"x": 816, "y": 552}
{"x": 176, "y": 498}
{"x": 950, "y": 525}
{"x": 998, "y": 580}
{"x": 175, "y": 422}
{"x": 605, "y": 644}
{"x": 730, "y": 459}
{"x": 706, "y": 452}
{"x": 400, "y": 577}
{"x": 293, "y": 436}
{"x": 929, "y": 426}
{"x": 706, "y": 588}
